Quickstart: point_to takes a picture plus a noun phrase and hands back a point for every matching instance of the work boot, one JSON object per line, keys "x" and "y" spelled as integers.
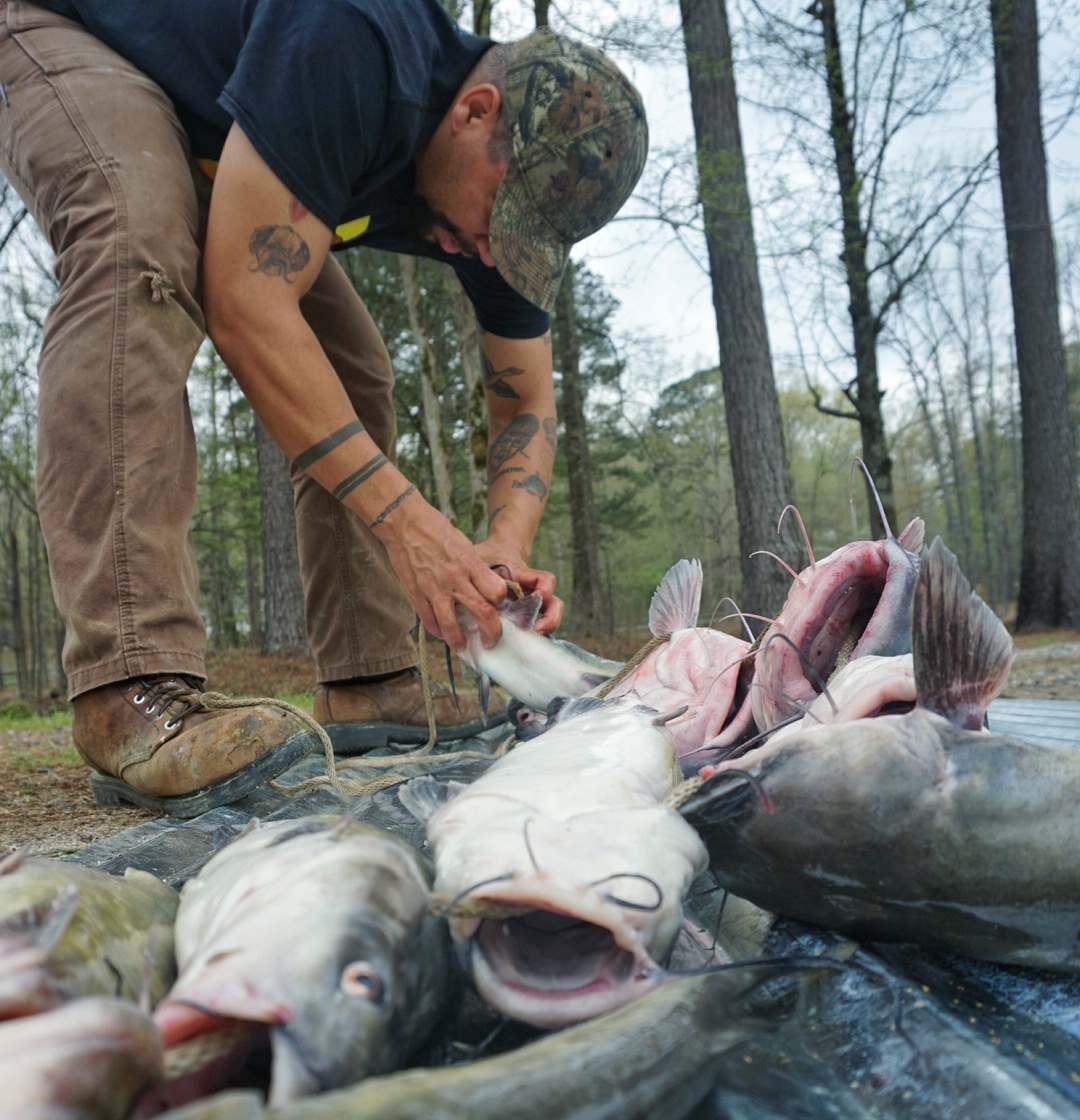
{"x": 153, "y": 744}
{"x": 362, "y": 714}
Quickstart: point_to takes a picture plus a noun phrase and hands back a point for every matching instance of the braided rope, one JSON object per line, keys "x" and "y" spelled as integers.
{"x": 425, "y": 681}
{"x": 349, "y": 787}
{"x": 683, "y": 792}
{"x": 604, "y": 690}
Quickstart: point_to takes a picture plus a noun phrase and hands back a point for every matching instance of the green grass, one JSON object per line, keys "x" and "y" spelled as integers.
{"x": 15, "y": 716}
{"x": 35, "y": 759}
{"x": 305, "y": 700}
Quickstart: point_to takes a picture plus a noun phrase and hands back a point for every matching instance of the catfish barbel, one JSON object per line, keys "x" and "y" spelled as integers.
{"x": 918, "y": 827}
{"x": 562, "y": 867}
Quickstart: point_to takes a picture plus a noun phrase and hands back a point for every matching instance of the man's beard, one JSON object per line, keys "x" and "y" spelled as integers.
{"x": 420, "y": 221}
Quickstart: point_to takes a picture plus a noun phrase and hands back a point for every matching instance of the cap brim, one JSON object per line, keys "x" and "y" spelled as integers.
{"x": 529, "y": 254}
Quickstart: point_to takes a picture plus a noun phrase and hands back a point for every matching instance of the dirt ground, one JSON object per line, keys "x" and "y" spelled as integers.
{"x": 45, "y": 799}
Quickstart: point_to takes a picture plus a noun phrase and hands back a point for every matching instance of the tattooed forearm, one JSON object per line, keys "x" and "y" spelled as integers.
{"x": 534, "y": 485}
{"x": 513, "y": 439}
{"x": 392, "y": 506}
{"x": 325, "y": 446}
{"x": 551, "y": 432}
{"x": 495, "y": 379}
{"x": 279, "y": 251}
{"x": 349, "y": 484}
{"x": 494, "y": 513}
{"x": 506, "y": 470}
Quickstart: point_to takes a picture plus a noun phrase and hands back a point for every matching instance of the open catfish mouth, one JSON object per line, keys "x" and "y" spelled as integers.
{"x": 206, "y": 1052}
{"x": 551, "y": 969}
{"x": 832, "y": 640}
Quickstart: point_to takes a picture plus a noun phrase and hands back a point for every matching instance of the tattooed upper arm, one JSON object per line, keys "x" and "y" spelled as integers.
{"x": 495, "y": 379}
{"x": 278, "y": 251}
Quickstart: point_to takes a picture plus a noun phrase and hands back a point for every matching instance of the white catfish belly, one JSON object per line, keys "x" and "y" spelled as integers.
{"x": 574, "y": 821}
{"x": 532, "y": 668}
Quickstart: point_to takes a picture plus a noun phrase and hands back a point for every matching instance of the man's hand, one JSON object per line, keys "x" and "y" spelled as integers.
{"x": 441, "y": 570}
{"x": 511, "y": 566}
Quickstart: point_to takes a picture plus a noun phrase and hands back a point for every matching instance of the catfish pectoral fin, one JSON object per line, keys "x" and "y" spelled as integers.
{"x": 722, "y": 804}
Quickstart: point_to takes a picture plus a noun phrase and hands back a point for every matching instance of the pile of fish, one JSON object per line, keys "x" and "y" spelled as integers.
{"x": 584, "y": 925}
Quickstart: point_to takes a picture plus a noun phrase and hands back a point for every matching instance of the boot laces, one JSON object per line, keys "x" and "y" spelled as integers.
{"x": 159, "y": 694}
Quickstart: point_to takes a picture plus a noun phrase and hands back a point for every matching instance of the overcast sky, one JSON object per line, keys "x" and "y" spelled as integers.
{"x": 662, "y": 289}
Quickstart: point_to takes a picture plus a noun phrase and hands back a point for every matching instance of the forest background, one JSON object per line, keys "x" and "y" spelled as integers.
{"x": 852, "y": 258}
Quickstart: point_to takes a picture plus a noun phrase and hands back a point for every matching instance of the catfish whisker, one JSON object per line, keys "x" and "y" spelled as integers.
{"x": 742, "y": 616}
{"x": 873, "y": 490}
{"x": 718, "y": 776}
{"x": 805, "y": 534}
{"x": 443, "y": 911}
{"x": 779, "y": 559}
{"x": 633, "y": 905}
{"x": 807, "y": 665}
{"x": 528, "y": 846}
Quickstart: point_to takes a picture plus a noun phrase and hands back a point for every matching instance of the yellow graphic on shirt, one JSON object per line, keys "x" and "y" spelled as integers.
{"x": 347, "y": 231}
{"x": 355, "y": 228}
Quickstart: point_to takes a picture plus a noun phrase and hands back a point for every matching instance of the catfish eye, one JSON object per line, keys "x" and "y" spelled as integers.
{"x": 361, "y": 980}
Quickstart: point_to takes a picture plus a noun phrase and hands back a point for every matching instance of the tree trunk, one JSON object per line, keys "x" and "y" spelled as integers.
{"x": 284, "y": 630}
{"x": 468, "y": 336}
{"x": 429, "y": 393}
{"x": 589, "y": 612}
{"x": 1049, "y": 594}
{"x": 758, "y": 456}
{"x": 865, "y": 327}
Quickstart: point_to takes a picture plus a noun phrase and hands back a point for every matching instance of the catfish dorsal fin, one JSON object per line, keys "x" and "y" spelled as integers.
{"x": 911, "y": 537}
{"x": 423, "y": 795}
{"x": 676, "y": 602}
{"x": 14, "y": 860}
{"x": 524, "y": 612}
{"x": 44, "y": 923}
{"x": 961, "y": 649}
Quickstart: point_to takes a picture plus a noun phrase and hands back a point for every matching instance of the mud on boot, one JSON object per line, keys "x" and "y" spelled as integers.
{"x": 153, "y": 743}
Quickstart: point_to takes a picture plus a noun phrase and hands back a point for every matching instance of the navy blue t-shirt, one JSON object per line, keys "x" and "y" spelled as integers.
{"x": 337, "y": 96}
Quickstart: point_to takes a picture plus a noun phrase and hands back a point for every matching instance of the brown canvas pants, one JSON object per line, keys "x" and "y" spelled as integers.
{"x": 96, "y": 152}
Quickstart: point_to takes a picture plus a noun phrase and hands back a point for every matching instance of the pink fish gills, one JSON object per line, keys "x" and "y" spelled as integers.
{"x": 857, "y": 601}
{"x": 919, "y": 827}
{"x": 694, "y": 667}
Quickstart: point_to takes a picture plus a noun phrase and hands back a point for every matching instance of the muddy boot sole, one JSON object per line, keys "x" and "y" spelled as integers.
{"x": 352, "y": 737}
{"x": 110, "y": 791}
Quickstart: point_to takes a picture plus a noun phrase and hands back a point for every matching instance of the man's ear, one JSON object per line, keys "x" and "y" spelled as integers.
{"x": 478, "y": 105}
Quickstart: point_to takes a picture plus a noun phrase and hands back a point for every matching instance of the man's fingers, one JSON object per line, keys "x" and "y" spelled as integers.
{"x": 452, "y": 633}
{"x": 549, "y": 621}
{"x": 486, "y": 616}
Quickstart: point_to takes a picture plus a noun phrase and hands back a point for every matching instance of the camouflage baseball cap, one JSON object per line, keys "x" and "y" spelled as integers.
{"x": 579, "y": 143}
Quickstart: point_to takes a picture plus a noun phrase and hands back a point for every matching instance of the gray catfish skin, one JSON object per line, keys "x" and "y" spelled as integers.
{"x": 910, "y": 827}
{"x": 68, "y": 931}
{"x": 652, "y": 1059}
{"x": 318, "y": 928}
